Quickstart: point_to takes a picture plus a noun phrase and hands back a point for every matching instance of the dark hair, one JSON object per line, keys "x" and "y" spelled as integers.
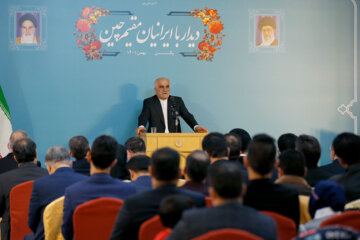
{"x": 172, "y": 207}
{"x": 215, "y": 145}
{"x": 27, "y": 16}
{"x": 286, "y": 141}
{"x": 267, "y": 21}
{"x": 165, "y": 164}
{"x": 135, "y": 144}
{"x": 103, "y": 151}
{"x": 311, "y": 149}
{"x": 79, "y": 147}
{"x": 24, "y": 150}
{"x": 261, "y": 154}
{"x": 292, "y": 162}
{"x": 347, "y": 147}
{"x": 233, "y": 142}
{"x": 139, "y": 163}
{"x": 197, "y": 164}
{"x": 225, "y": 178}
{"x": 244, "y": 136}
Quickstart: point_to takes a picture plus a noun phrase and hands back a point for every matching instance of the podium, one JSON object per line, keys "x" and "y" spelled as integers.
{"x": 184, "y": 143}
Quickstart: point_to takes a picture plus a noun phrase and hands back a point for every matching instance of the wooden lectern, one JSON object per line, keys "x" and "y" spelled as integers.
{"x": 184, "y": 143}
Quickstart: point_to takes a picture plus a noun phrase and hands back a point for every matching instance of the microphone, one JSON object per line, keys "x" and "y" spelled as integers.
{"x": 174, "y": 113}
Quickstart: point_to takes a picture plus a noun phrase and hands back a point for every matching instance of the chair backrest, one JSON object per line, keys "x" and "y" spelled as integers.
{"x": 304, "y": 209}
{"x": 52, "y": 219}
{"x": 150, "y": 228}
{"x": 348, "y": 218}
{"x": 208, "y": 202}
{"x": 95, "y": 219}
{"x": 20, "y": 196}
{"x": 228, "y": 234}
{"x": 285, "y": 227}
{"x": 353, "y": 204}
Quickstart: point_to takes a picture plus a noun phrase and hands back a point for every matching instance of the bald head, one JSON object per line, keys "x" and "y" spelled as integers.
{"x": 16, "y": 135}
{"x": 197, "y": 164}
{"x": 162, "y": 88}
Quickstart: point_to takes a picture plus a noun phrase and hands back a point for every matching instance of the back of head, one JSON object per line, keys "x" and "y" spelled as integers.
{"x": 79, "y": 146}
{"x": 292, "y": 162}
{"x": 311, "y": 149}
{"x": 165, "y": 164}
{"x": 135, "y": 145}
{"x": 16, "y": 135}
{"x": 139, "y": 163}
{"x": 261, "y": 154}
{"x": 327, "y": 194}
{"x": 245, "y": 138}
{"x": 57, "y": 154}
{"x": 215, "y": 145}
{"x": 233, "y": 142}
{"x": 197, "y": 164}
{"x": 172, "y": 207}
{"x": 103, "y": 151}
{"x": 225, "y": 178}
{"x": 347, "y": 147}
{"x": 287, "y": 141}
{"x": 24, "y": 150}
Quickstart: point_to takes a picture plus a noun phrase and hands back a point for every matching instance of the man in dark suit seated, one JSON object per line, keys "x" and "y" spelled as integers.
{"x": 25, "y": 154}
{"x": 99, "y": 184}
{"x": 164, "y": 171}
{"x": 214, "y": 145}
{"x": 8, "y": 162}
{"x": 261, "y": 193}
{"x": 228, "y": 212}
{"x": 311, "y": 149}
{"x": 334, "y": 167}
{"x": 162, "y": 111}
{"x": 79, "y": 148}
{"x": 49, "y": 188}
{"x": 139, "y": 173}
{"x": 197, "y": 164}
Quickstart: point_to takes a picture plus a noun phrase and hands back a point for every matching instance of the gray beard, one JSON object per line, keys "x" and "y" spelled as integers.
{"x": 267, "y": 42}
{"x": 28, "y": 39}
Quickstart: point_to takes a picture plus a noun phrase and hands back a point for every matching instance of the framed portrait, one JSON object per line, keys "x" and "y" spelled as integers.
{"x": 27, "y": 28}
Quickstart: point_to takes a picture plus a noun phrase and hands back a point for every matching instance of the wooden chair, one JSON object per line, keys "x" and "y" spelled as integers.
{"x": 348, "y": 218}
{"x": 285, "y": 227}
{"x": 150, "y": 228}
{"x": 20, "y": 196}
{"x": 52, "y": 218}
{"x": 95, "y": 219}
{"x": 228, "y": 234}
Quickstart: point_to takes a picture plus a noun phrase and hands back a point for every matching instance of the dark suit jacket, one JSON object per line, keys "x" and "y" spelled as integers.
{"x": 264, "y": 195}
{"x": 229, "y": 215}
{"x": 95, "y": 186}
{"x": 334, "y": 167}
{"x": 196, "y": 187}
{"x": 25, "y": 172}
{"x": 142, "y": 184}
{"x": 316, "y": 174}
{"x": 152, "y": 113}
{"x": 350, "y": 180}
{"x": 82, "y": 166}
{"x": 46, "y": 190}
{"x": 8, "y": 163}
{"x": 140, "y": 207}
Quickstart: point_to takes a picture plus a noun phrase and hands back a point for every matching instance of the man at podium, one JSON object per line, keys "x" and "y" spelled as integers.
{"x": 162, "y": 111}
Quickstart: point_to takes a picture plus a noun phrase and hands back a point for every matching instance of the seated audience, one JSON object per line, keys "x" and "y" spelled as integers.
{"x": 120, "y": 169}
{"x": 164, "y": 171}
{"x": 326, "y": 200}
{"x": 261, "y": 193}
{"x": 286, "y": 141}
{"x": 334, "y": 167}
{"x": 311, "y": 149}
{"x": 99, "y": 184}
{"x": 171, "y": 210}
{"x": 135, "y": 146}
{"x": 25, "y": 155}
{"x": 49, "y": 188}
{"x": 228, "y": 212}
{"x": 196, "y": 168}
{"x": 214, "y": 144}
{"x": 79, "y": 148}
{"x": 245, "y": 140}
{"x": 292, "y": 170}
{"x": 139, "y": 172}
{"x": 8, "y": 162}
{"x": 347, "y": 148}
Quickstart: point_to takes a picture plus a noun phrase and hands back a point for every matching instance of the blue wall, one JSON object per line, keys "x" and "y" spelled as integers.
{"x": 54, "y": 93}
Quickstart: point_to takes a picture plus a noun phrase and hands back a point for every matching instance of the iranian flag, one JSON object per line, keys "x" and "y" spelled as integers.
{"x": 5, "y": 125}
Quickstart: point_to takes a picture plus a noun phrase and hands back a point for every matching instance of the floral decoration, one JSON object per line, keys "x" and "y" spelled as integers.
{"x": 213, "y": 35}
{"x": 85, "y": 34}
